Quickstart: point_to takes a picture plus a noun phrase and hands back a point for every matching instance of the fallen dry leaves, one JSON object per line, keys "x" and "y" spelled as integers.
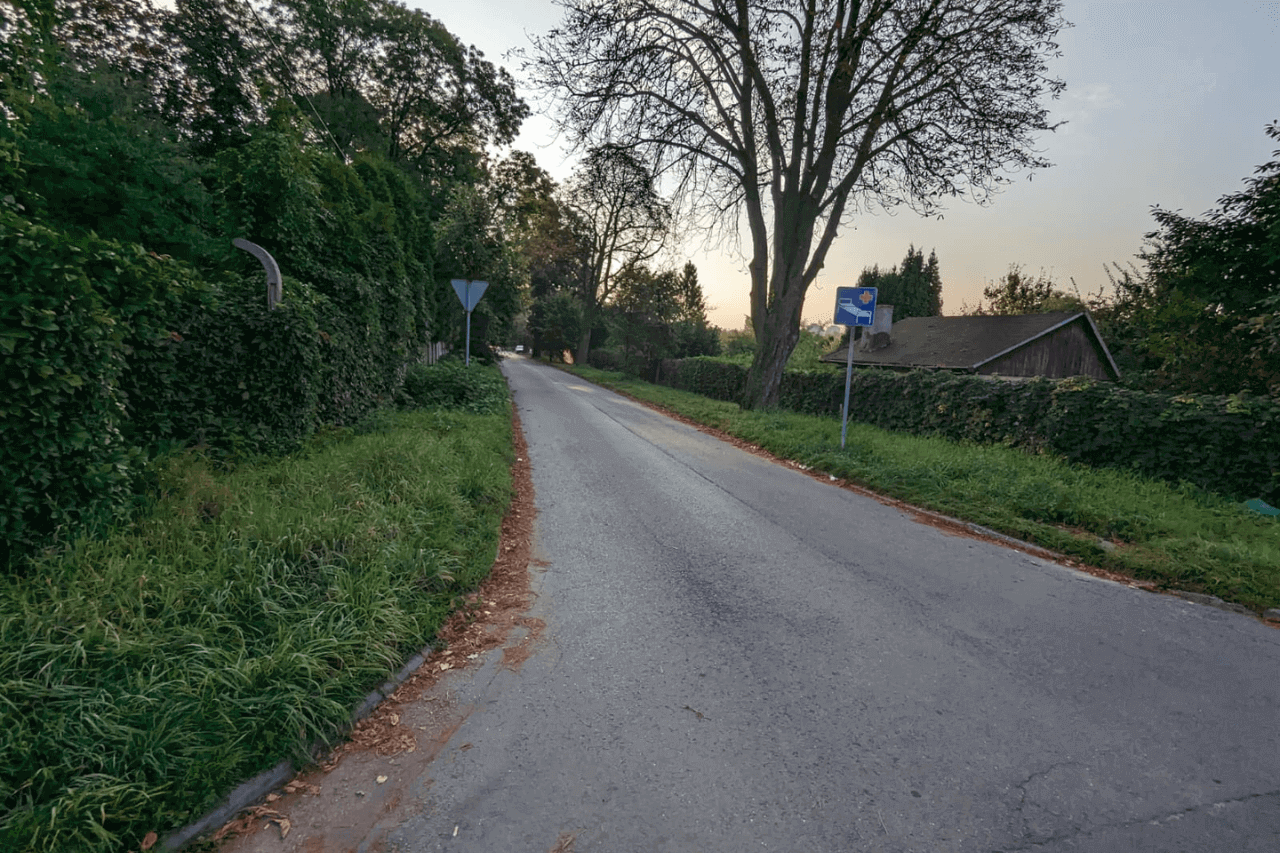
{"x": 245, "y": 821}
{"x": 564, "y": 844}
{"x": 483, "y": 620}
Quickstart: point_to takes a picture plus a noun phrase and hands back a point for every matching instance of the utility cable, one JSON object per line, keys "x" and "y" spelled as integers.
{"x": 288, "y": 69}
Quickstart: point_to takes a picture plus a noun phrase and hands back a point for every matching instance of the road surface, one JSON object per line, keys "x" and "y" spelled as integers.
{"x": 738, "y": 657}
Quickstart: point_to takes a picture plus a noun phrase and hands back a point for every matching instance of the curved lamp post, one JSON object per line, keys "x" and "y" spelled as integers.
{"x": 275, "y": 287}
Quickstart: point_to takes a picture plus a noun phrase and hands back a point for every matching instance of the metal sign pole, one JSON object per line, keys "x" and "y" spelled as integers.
{"x": 468, "y": 362}
{"x": 848, "y": 378}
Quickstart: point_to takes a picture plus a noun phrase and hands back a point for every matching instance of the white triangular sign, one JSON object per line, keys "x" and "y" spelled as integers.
{"x": 469, "y": 292}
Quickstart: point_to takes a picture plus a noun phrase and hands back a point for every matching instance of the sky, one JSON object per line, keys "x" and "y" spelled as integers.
{"x": 1166, "y": 105}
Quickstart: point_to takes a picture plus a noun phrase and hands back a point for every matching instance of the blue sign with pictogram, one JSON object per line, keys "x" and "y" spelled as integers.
{"x": 855, "y": 306}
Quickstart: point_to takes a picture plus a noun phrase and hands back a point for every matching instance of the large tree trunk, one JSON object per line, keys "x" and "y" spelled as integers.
{"x": 776, "y": 301}
{"x": 777, "y": 334}
{"x": 584, "y": 342}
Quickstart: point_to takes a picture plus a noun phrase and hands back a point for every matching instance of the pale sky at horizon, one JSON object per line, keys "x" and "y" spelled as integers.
{"x": 1166, "y": 104}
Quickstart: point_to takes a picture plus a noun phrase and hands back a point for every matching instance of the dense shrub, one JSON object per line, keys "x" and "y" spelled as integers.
{"x": 707, "y": 376}
{"x": 264, "y": 379}
{"x": 450, "y": 384}
{"x": 249, "y": 377}
{"x": 607, "y": 359}
{"x": 1228, "y": 445}
{"x": 102, "y": 166}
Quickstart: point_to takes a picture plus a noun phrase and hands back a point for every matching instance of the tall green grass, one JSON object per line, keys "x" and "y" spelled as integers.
{"x": 1180, "y": 537}
{"x": 144, "y": 675}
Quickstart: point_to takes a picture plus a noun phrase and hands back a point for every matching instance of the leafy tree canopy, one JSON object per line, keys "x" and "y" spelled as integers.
{"x": 1016, "y": 292}
{"x": 1204, "y": 313}
{"x": 432, "y": 97}
{"x": 621, "y": 221}
{"x": 1231, "y": 256}
{"x": 555, "y": 324}
{"x": 660, "y": 314}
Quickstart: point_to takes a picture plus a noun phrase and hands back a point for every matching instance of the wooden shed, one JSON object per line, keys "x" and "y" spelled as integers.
{"x": 1055, "y": 346}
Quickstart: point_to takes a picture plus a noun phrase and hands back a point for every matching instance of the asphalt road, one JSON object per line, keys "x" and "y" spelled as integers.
{"x": 738, "y": 657}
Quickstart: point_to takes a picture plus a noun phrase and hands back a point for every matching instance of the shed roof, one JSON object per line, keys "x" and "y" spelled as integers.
{"x": 966, "y": 343}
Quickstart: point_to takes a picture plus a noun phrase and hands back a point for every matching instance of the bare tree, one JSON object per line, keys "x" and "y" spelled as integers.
{"x": 795, "y": 113}
{"x": 622, "y": 221}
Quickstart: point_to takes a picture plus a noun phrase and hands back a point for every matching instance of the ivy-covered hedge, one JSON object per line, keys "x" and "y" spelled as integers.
{"x": 1229, "y": 445}
{"x": 709, "y": 377}
{"x": 110, "y": 351}
{"x": 246, "y": 377}
{"x": 72, "y": 313}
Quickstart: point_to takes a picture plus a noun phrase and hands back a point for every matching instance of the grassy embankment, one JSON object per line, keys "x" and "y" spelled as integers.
{"x": 1180, "y": 538}
{"x": 144, "y": 675}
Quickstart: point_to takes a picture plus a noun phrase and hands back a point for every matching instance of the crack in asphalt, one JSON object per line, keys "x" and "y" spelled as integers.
{"x": 1022, "y": 800}
{"x": 1022, "y": 786}
{"x": 1156, "y": 821}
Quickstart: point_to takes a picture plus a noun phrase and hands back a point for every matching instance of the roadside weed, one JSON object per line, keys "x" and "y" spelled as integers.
{"x": 145, "y": 674}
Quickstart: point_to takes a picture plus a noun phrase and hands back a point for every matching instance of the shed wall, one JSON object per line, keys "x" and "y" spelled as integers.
{"x": 1069, "y": 351}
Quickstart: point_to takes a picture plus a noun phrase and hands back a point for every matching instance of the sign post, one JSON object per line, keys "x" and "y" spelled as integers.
{"x": 469, "y": 293}
{"x": 855, "y": 306}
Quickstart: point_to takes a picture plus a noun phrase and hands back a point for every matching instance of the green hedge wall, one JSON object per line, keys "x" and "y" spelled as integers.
{"x": 706, "y": 376}
{"x": 1229, "y": 445}
{"x": 72, "y": 313}
{"x": 232, "y": 374}
{"x": 110, "y": 352}
{"x": 249, "y": 378}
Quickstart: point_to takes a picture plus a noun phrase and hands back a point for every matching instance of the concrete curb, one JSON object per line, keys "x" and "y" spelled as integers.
{"x": 247, "y": 793}
{"x": 1212, "y": 601}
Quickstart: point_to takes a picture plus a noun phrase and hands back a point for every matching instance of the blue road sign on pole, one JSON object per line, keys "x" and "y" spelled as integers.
{"x": 855, "y": 306}
{"x": 469, "y": 293}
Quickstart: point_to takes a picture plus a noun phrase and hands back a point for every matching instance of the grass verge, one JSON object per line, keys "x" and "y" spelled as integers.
{"x": 1178, "y": 537}
{"x": 144, "y": 675}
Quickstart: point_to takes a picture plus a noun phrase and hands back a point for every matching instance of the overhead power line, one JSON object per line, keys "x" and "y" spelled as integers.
{"x": 288, "y": 74}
